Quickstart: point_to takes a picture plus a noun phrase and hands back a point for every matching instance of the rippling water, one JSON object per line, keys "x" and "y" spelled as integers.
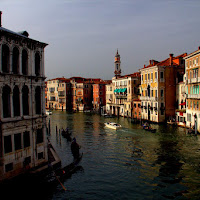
{"x": 129, "y": 163}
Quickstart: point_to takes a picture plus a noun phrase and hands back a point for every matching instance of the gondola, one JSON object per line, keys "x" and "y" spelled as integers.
{"x": 67, "y": 135}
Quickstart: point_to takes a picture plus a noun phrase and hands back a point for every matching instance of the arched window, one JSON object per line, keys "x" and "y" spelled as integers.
{"x": 25, "y": 100}
{"x": 16, "y": 101}
{"x": 15, "y": 61}
{"x": 37, "y": 64}
{"x": 24, "y": 62}
{"x": 38, "y": 100}
{"x": 5, "y": 58}
{"x": 6, "y": 101}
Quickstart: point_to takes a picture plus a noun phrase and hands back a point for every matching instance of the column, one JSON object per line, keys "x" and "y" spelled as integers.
{"x": 10, "y": 63}
{"x": 20, "y": 102}
{"x": 1, "y": 58}
{"x": 20, "y": 61}
{"x": 11, "y": 104}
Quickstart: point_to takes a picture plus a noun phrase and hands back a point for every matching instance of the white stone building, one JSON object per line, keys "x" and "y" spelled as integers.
{"x": 22, "y": 115}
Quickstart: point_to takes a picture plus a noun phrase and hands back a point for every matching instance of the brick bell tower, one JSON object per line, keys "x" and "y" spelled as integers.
{"x": 117, "y": 65}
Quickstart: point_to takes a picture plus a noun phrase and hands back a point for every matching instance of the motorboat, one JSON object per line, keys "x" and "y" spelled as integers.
{"x": 112, "y": 125}
{"x": 48, "y": 112}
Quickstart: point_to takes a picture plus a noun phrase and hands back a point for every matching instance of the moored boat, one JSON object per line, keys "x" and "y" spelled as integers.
{"x": 48, "y": 112}
{"x": 112, "y": 125}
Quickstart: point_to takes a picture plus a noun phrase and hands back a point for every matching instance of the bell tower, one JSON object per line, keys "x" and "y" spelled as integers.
{"x": 117, "y": 65}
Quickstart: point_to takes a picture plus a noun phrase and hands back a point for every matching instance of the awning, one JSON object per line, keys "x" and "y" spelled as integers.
{"x": 124, "y": 90}
{"x": 182, "y": 104}
{"x": 115, "y": 90}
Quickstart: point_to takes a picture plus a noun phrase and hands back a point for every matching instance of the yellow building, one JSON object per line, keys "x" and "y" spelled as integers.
{"x": 158, "y": 88}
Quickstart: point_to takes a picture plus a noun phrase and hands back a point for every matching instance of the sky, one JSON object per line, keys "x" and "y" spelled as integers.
{"x": 84, "y": 35}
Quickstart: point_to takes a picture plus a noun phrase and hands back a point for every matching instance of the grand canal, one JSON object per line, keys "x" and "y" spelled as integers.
{"x": 129, "y": 163}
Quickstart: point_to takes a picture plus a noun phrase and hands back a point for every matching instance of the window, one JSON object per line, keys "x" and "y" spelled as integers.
{"x": 151, "y": 75}
{"x": 7, "y": 144}
{"x": 9, "y": 167}
{"x": 15, "y": 61}
{"x": 26, "y": 136}
{"x": 37, "y": 64}
{"x": 156, "y": 93}
{"x": 16, "y": 103}
{"x": 161, "y": 75}
{"x": 39, "y": 137}
{"x": 38, "y": 100}
{"x": 162, "y": 108}
{"x": 40, "y": 155}
{"x": 17, "y": 141}
{"x": 6, "y": 101}
{"x": 189, "y": 117}
{"x": 148, "y": 76}
{"x": 25, "y": 100}
{"x": 155, "y": 75}
{"x": 162, "y": 93}
{"x": 5, "y": 58}
{"x": 24, "y": 62}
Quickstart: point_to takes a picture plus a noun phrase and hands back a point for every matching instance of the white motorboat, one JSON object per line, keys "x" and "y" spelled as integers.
{"x": 112, "y": 125}
{"x": 48, "y": 112}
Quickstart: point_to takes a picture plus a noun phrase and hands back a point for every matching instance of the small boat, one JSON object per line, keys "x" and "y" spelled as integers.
{"x": 66, "y": 171}
{"x": 149, "y": 128}
{"x": 67, "y": 135}
{"x": 112, "y": 125}
{"x": 48, "y": 112}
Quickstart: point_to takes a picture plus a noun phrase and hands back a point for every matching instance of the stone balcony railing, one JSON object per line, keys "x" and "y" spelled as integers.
{"x": 193, "y": 96}
{"x": 149, "y": 98}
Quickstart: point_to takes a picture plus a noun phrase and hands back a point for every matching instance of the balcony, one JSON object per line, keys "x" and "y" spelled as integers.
{"x": 149, "y": 98}
{"x": 194, "y": 80}
{"x": 61, "y": 93}
{"x": 61, "y": 101}
{"x": 193, "y": 96}
{"x": 121, "y": 96}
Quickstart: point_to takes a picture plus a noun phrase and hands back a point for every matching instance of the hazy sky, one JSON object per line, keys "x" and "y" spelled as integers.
{"x": 83, "y": 35}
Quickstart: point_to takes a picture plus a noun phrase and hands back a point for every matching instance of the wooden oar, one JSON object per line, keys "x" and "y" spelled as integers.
{"x": 60, "y": 182}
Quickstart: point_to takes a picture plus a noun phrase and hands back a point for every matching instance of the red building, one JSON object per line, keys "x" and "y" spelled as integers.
{"x": 136, "y": 111}
{"x": 99, "y": 95}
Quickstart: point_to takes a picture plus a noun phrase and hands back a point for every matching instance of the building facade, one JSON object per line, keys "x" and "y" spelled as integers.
{"x": 192, "y": 64}
{"x": 99, "y": 96}
{"x": 23, "y": 143}
{"x": 181, "y": 103}
{"x": 59, "y": 94}
{"x": 124, "y": 88}
{"x": 158, "y": 88}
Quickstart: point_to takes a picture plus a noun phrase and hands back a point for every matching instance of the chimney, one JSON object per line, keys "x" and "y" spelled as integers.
{"x": 171, "y": 58}
{"x": 144, "y": 66}
{"x": 0, "y": 19}
{"x": 199, "y": 48}
{"x": 149, "y": 62}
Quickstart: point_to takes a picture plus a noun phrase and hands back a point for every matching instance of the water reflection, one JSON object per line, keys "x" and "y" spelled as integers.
{"x": 129, "y": 163}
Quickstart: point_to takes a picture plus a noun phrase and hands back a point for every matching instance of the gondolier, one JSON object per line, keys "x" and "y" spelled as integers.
{"x": 75, "y": 148}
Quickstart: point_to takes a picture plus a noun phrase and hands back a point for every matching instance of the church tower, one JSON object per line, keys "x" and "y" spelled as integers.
{"x": 117, "y": 65}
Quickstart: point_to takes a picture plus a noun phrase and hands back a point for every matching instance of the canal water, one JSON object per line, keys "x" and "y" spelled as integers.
{"x": 129, "y": 163}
